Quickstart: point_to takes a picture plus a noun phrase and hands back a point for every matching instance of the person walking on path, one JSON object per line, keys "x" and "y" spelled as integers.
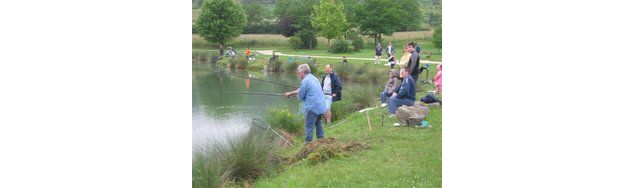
{"x": 332, "y": 88}
{"x": 247, "y": 54}
{"x": 377, "y": 53}
{"x": 413, "y": 63}
{"x": 314, "y": 104}
{"x": 406, "y": 95}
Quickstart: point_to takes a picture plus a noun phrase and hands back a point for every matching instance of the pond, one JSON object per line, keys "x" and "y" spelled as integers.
{"x": 219, "y": 111}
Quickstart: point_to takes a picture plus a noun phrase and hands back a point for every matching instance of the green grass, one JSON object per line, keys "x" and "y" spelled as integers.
{"x": 397, "y": 157}
{"x": 240, "y": 159}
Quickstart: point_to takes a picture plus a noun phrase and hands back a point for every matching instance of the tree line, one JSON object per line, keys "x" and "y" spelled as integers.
{"x": 304, "y": 20}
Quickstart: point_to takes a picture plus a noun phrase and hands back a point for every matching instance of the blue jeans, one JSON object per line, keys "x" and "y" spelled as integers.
{"x": 313, "y": 120}
{"x": 394, "y": 103}
{"x": 384, "y": 95}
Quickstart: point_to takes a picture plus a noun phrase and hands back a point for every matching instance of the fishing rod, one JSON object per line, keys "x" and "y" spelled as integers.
{"x": 264, "y": 125}
{"x": 237, "y": 92}
{"x": 269, "y": 81}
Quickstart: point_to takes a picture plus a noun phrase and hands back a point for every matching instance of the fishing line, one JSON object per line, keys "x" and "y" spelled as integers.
{"x": 261, "y": 123}
{"x": 237, "y": 92}
{"x": 263, "y": 80}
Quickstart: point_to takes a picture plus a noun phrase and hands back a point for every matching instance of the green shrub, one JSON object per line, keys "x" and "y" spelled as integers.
{"x": 436, "y": 37}
{"x": 241, "y": 158}
{"x": 308, "y": 38}
{"x": 339, "y": 46}
{"x": 290, "y": 66}
{"x": 282, "y": 118}
{"x": 296, "y": 42}
{"x": 242, "y": 63}
{"x": 343, "y": 108}
{"x": 361, "y": 96}
{"x": 274, "y": 65}
{"x": 358, "y": 43}
{"x": 344, "y": 71}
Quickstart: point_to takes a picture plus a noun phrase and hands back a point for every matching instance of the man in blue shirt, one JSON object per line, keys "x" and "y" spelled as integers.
{"x": 406, "y": 93}
{"x": 310, "y": 92}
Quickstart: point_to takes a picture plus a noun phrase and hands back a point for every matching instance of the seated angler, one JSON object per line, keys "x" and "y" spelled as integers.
{"x": 405, "y": 95}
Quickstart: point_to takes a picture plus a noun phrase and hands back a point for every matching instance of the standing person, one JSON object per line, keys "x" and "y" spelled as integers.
{"x": 390, "y": 50}
{"x": 406, "y": 95}
{"x": 314, "y": 105}
{"x": 391, "y": 85}
{"x": 332, "y": 88}
{"x": 247, "y": 53}
{"x": 413, "y": 63}
{"x": 418, "y": 49}
{"x": 403, "y": 62}
{"x": 377, "y": 53}
{"x": 437, "y": 79}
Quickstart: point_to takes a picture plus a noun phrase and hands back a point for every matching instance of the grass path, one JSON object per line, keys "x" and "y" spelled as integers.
{"x": 397, "y": 157}
{"x": 270, "y": 52}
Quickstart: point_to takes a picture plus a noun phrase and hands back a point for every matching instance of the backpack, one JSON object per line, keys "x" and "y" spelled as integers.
{"x": 430, "y": 98}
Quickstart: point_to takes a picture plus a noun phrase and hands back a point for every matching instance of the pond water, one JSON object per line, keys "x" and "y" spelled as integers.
{"x": 217, "y": 115}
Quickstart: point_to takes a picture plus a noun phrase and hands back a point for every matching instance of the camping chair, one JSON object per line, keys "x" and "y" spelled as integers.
{"x": 427, "y": 68}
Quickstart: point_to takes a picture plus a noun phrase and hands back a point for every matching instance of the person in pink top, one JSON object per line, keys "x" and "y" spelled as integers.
{"x": 437, "y": 79}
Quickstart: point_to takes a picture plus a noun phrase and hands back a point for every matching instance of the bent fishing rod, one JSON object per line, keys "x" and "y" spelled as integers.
{"x": 240, "y": 93}
{"x": 269, "y": 81}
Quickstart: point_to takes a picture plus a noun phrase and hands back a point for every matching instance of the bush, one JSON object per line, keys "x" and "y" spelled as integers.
{"x": 284, "y": 119}
{"x": 274, "y": 65}
{"x": 239, "y": 62}
{"x": 362, "y": 96}
{"x": 290, "y": 66}
{"x": 341, "y": 109}
{"x": 308, "y": 38}
{"x": 242, "y": 158}
{"x": 339, "y": 46}
{"x": 345, "y": 71}
{"x": 296, "y": 42}
{"x": 436, "y": 37}
{"x": 358, "y": 43}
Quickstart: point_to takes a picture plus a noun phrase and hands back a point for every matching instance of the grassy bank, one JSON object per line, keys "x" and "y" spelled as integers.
{"x": 386, "y": 156}
{"x": 396, "y": 157}
{"x": 358, "y": 71}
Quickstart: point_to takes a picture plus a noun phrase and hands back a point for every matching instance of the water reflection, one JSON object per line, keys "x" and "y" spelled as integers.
{"x": 218, "y": 115}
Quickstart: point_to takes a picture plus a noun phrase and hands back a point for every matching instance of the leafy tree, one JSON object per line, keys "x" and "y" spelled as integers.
{"x": 329, "y": 19}
{"x": 412, "y": 15}
{"x": 379, "y": 17}
{"x": 220, "y": 21}
{"x": 255, "y": 13}
{"x": 436, "y": 37}
{"x": 294, "y": 15}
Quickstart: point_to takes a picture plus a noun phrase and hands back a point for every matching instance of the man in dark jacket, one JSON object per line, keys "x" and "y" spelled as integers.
{"x": 332, "y": 87}
{"x": 413, "y": 63}
{"x": 406, "y": 95}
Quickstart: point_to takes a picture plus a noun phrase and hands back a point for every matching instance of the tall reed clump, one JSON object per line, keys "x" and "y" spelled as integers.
{"x": 238, "y": 159}
{"x": 355, "y": 98}
{"x": 274, "y": 65}
{"x": 362, "y": 73}
{"x": 282, "y": 118}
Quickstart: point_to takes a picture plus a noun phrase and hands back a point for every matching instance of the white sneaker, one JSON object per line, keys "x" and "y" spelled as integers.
{"x": 384, "y": 105}
{"x": 396, "y": 124}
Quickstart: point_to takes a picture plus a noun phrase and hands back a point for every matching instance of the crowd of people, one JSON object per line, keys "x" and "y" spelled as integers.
{"x": 318, "y": 95}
